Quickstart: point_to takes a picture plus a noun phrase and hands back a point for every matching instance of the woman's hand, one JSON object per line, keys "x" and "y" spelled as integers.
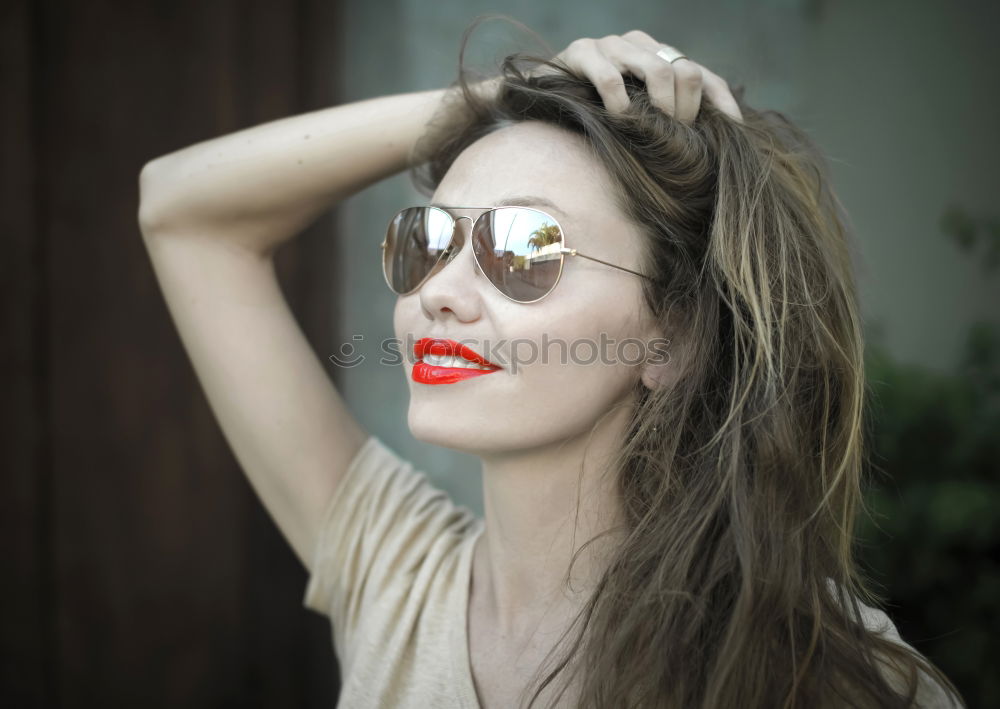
{"x": 675, "y": 88}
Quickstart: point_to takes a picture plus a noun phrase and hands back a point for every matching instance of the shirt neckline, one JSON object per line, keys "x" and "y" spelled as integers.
{"x": 465, "y": 687}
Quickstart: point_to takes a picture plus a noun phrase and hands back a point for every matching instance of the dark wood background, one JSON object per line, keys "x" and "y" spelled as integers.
{"x": 139, "y": 567}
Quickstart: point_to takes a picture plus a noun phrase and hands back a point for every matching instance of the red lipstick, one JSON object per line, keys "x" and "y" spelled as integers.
{"x": 425, "y": 373}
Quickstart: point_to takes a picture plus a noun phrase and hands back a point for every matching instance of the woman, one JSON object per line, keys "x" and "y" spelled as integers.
{"x": 668, "y": 523}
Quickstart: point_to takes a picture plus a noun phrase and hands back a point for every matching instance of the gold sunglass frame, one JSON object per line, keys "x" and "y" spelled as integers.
{"x": 449, "y": 251}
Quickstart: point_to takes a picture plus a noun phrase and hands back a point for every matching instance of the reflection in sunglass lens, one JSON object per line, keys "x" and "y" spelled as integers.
{"x": 519, "y": 251}
{"x": 414, "y": 242}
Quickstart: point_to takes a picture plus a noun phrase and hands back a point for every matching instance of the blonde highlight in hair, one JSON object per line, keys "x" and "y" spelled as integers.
{"x": 735, "y": 583}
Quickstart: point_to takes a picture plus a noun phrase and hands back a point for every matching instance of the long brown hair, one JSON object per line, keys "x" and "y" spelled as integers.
{"x": 735, "y": 585}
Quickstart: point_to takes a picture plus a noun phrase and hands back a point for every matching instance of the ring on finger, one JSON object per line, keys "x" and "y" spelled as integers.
{"x": 670, "y": 54}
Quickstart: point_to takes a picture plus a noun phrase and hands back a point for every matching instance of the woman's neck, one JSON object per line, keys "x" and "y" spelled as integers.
{"x": 533, "y": 527}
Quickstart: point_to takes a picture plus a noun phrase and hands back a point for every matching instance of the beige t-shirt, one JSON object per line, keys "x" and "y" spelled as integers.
{"x": 391, "y": 570}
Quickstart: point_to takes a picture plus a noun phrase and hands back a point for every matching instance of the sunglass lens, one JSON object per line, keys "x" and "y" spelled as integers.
{"x": 519, "y": 250}
{"x": 415, "y": 240}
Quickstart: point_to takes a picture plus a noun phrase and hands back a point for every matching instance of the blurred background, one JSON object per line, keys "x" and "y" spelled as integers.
{"x": 139, "y": 568}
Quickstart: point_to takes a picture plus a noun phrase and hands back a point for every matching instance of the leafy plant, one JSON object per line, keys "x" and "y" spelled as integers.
{"x": 932, "y": 543}
{"x": 967, "y": 231}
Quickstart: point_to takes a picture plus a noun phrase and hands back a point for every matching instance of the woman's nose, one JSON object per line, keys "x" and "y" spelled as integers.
{"x": 451, "y": 286}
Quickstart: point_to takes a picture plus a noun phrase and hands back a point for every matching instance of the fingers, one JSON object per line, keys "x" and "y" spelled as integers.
{"x": 675, "y": 88}
{"x": 717, "y": 91}
{"x": 682, "y": 77}
{"x": 583, "y": 56}
{"x": 715, "y": 88}
{"x": 658, "y": 74}
{"x": 688, "y": 79}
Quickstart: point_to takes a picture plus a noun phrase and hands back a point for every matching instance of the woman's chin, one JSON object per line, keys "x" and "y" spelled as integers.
{"x": 440, "y": 433}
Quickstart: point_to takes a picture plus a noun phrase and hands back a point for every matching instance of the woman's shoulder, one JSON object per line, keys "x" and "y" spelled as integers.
{"x": 930, "y": 693}
{"x": 386, "y": 521}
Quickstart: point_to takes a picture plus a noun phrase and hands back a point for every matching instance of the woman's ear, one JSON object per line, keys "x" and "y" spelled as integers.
{"x": 659, "y": 369}
{"x": 661, "y": 365}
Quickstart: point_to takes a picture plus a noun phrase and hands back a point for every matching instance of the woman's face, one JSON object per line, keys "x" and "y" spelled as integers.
{"x": 530, "y": 402}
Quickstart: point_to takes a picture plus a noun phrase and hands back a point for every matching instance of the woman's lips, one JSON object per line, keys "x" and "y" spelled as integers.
{"x": 425, "y": 373}
{"x": 431, "y": 374}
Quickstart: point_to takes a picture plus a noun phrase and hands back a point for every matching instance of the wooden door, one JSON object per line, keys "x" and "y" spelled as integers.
{"x": 139, "y": 568}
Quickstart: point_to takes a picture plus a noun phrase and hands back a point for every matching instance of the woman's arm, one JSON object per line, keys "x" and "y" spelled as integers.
{"x": 211, "y": 215}
{"x": 261, "y": 186}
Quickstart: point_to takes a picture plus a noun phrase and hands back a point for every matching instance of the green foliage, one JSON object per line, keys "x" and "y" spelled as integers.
{"x": 932, "y": 544}
{"x": 968, "y": 231}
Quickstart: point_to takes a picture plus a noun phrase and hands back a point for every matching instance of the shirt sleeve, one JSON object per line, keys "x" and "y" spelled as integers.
{"x": 382, "y": 522}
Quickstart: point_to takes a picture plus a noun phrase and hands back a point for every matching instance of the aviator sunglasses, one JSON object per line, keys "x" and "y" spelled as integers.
{"x": 520, "y": 250}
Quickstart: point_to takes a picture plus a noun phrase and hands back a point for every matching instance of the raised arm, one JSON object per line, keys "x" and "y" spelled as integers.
{"x": 211, "y": 216}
